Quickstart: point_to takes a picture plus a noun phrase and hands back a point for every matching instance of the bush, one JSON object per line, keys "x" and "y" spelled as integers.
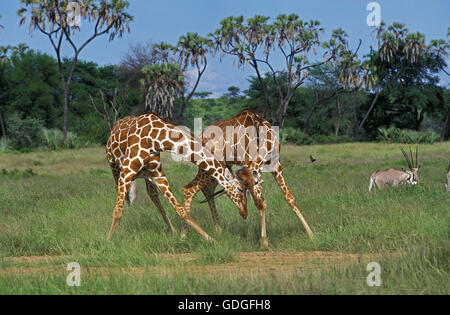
{"x": 24, "y": 133}
{"x": 296, "y": 136}
{"x": 396, "y": 135}
{"x": 29, "y": 133}
{"x": 5, "y": 145}
{"x": 53, "y": 139}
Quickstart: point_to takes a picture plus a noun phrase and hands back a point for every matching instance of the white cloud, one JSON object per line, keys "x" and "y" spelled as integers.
{"x": 211, "y": 81}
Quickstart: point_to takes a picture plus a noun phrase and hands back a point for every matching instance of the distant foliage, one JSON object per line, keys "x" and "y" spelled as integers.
{"x": 5, "y": 145}
{"x": 53, "y": 139}
{"x": 296, "y": 136}
{"x": 396, "y": 135}
{"x": 24, "y": 133}
{"x": 29, "y": 133}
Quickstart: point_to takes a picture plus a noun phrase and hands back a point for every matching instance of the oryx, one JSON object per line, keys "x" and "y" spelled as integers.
{"x": 392, "y": 177}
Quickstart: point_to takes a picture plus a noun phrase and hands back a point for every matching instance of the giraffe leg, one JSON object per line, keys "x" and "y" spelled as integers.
{"x": 208, "y": 191}
{"x": 261, "y": 205}
{"x": 123, "y": 186}
{"x": 130, "y": 197}
{"x": 189, "y": 191}
{"x": 153, "y": 194}
{"x": 161, "y": 181}
{"x": 290, "y": 198}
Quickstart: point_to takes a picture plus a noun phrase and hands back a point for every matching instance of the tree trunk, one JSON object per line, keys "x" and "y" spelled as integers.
{"x": 358, "y": 131}
{"x": 339, "y": 116}
{"x": 444, "y": 129}
{"x": 355, "y": 113}
{"x": 308, "y": 118}
{"x": 254, "y": 64}
{"x": 66, "y": 111}
{"x": 420, "y": 120}
{"x": 2, "y": 125}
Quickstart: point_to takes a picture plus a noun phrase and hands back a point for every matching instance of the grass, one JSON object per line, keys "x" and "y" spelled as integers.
{"x": 65, "y": 210}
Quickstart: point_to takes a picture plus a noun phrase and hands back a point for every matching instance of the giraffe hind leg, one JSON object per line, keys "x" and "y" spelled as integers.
{"x": 122, "y": 189}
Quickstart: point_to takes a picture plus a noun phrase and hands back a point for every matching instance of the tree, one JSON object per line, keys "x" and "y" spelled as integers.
{"x": 406, "y": 71}
{"x": 233, "y": 92}
{"x": 202, "y": 95}
{"x": 112, "y": 107}
{"x": 58, "y": 20}
{"x": 254, "y": 41}
{"x": 33, "y": 90}
{"x": 190, "y": 52}
{"x": 163, "y": 84}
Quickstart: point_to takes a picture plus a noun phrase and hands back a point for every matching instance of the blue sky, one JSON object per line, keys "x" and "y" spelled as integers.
{"x": 167, "y": 20}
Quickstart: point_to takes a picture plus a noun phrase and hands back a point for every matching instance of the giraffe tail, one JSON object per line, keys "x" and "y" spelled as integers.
{"x": 132, "y": 193}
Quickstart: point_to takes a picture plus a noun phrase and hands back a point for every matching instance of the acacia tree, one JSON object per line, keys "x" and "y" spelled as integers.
{"x": 60, "y": 20}
{"x": 404, "y": 67}
{"x": 254, "y": 41}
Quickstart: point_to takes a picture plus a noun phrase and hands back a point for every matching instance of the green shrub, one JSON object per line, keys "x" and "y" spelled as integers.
{"x": 24, "y": 133}
{"x": 5, "y": 145}
{"x": 29, "y": 133}
{"x": 53, "y": 139}
{"x": 396, "y": 135}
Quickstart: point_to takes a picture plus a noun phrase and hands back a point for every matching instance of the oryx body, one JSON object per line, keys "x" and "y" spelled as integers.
{"x": 392, "y": 177}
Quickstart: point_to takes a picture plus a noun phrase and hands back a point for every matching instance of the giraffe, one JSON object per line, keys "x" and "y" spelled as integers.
{"x": 253, "y": 137}
{"x": 259, "y": 148}
{"x": 133, "y": 151}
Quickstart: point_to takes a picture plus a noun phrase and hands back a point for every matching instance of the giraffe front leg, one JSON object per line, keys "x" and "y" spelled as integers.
{"x": 291, "y": 199}
{"x": 189, "y": 192}
{"x": 208, "y": 191}
{"x": 161, "y": 181}
{"x": 261, "y": 205}
{"x": 122, "y": 189}
{"x": 152, "y": 192}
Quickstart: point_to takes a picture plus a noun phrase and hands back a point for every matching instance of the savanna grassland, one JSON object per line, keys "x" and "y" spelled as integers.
{"x": 60, "y": 212}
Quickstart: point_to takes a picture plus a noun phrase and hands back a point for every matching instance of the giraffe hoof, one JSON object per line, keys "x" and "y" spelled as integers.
{"x": 264, "y": 243}
{"x": 218, "y": 229}
{"x": 183, "y": 236}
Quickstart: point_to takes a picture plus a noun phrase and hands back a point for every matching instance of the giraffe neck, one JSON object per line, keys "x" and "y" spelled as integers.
{"x": 181, "y": 142}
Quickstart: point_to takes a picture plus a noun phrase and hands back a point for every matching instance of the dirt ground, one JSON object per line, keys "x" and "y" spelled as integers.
{"x": 248, "y": 264}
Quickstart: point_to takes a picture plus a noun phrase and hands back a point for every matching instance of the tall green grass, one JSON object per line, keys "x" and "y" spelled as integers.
{"x": 66, "y": 211}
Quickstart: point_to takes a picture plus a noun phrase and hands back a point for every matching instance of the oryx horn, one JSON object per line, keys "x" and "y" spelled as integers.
{"x": 407, "y": 158}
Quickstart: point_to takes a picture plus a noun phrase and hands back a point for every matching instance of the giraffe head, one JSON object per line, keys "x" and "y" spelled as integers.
{"x": 252, "y": 182}
{"x": 237, "y": 192}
